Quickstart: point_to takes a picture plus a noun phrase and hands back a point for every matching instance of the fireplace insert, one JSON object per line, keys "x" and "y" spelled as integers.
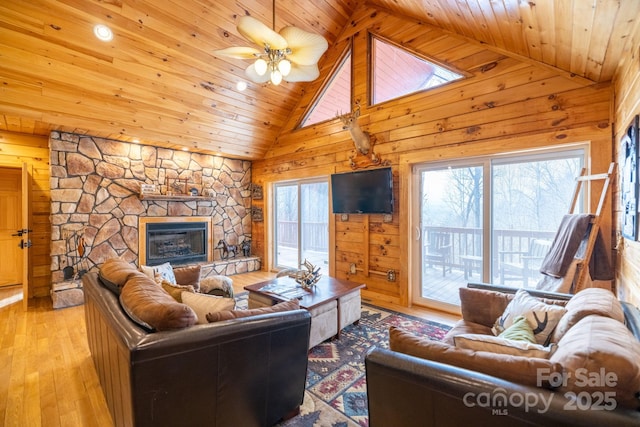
{"x": 177, "y": 243}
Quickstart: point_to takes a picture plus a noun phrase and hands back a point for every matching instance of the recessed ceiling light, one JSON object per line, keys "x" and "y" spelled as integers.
{"x": 241, "y": 85}
{"x": 103, "y": 32}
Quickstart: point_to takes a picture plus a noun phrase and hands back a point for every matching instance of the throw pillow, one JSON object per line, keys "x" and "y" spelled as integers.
{"x": 203, "y": 304}
{"x": 176, "y": 290}
{"x": 518, "y": 369}
{"x": 164, "y": 270}
{"x": 114, "y": 273}
{"x": 236, "y": 314}
{"x": 188, "y": 276}
{"x": 601, "y": 302}
{"x": 152, "y": 307}
{"x": 499, "y": 345}
{"x": 519, "y": 331}
{"x": 542, "y": 317}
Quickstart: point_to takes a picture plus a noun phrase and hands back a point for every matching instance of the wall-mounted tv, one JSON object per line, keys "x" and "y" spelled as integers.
{"x": 363, "y": 192}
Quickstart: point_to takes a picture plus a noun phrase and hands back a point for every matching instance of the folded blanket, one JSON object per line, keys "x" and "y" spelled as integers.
{"x": 571, "y": 242}
{"x": 566, "y": 242}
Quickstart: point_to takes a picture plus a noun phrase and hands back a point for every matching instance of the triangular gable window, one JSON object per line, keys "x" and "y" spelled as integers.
{"x": 336, "y": 96}
{"x": 397, "y": 72}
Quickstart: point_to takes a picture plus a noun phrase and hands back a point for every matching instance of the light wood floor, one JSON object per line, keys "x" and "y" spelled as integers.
{"x": 47, "y": 376}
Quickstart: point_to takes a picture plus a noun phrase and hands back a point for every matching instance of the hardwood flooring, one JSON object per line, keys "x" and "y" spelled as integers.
{"x": 47, "y": 377}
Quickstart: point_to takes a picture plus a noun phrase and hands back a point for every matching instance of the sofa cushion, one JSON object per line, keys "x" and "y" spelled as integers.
{"x": 204, "y": 304}
{"x": 236, "y": 314}
{"x": 165, "y": 271}
{"x": 522, "y": 370}
{"x": 586, "y": 302}
{"x": 114, "y": 273}
{"x": 600, "y": 354}
{"x": 500, "y": 345}
{"x": 188, "y": 276}
{"x": 464, "y": 327}
{"x": 176, "y": 290}
{"x": 152, "y": 307}
{"x": 542, "y": 317}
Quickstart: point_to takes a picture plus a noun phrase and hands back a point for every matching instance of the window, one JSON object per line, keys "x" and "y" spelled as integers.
{"x": 479, "y": 217}
{"x": 301, "y": 224}
{"x": 336, "y": 97}
{"x": 397, "y": 72}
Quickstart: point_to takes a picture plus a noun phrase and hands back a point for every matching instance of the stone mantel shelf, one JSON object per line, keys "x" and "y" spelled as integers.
{"x": 176, "y": 197}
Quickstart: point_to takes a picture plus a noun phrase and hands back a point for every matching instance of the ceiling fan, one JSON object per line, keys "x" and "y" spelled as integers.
{"x": 291, "y": 55}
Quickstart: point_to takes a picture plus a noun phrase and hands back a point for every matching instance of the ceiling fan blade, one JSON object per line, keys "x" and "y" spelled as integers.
{"x": 260, "y": 34}
{"x": 240, "y": 52}
{"x": 251, "y": 73}
{"x": 306, "y": 48}
{"x": 302, "y": 73}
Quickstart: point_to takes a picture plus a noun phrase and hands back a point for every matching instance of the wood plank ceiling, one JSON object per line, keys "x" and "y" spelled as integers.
{"x": 159, "y": 82}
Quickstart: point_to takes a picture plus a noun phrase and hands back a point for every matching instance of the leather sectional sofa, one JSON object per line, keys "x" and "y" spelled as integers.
{"x": 422, "y": 383}
{"x": 241, "y": 372}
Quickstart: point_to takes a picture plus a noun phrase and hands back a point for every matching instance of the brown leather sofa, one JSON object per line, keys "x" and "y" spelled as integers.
{"x": 405, "y": 391}
{"x": 241, "y": 372}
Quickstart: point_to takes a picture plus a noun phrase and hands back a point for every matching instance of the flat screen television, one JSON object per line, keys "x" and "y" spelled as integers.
{"x": 363, "y": 192}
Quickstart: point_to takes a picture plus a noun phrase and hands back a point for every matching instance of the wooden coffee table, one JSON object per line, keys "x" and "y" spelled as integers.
{"x": 333, "y": 303}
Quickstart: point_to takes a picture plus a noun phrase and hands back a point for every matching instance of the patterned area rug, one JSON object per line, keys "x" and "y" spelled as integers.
{"x": 336, "y": 384}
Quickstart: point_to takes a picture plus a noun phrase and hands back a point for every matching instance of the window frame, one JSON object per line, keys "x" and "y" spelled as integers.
{"x": 371, "y": 77}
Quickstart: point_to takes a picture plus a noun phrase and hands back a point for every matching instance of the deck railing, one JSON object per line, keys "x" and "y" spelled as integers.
{"x": 468, "y": 241}
{"x": 465, "y": 241}
{"x": 316, "y": 235}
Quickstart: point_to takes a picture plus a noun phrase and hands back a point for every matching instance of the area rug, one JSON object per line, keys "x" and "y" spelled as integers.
{"x": 336, "y": 385}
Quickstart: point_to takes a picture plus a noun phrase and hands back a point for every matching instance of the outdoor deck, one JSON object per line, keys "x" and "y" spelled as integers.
{"x": 437, "y": 287}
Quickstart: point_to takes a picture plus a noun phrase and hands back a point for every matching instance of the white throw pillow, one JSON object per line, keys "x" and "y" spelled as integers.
{"x": 542, "y": 317}
{"x": 481, "y": 342}
{"x": 203, "y": 304}
{"x": 164, "y": 270}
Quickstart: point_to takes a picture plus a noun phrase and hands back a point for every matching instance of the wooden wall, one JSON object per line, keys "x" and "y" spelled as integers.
{"x": 16, "y": 149}
{"x": 508, "y": 103}
{"x": 627, "y": 105}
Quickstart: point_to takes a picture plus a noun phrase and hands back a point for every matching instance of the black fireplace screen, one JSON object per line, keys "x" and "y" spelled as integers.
{"x": 177, "y": 243}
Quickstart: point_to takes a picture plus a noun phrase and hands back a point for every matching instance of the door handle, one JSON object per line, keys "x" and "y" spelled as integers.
{"x": 25, "y": 244}
{"x": 19, "y": 233}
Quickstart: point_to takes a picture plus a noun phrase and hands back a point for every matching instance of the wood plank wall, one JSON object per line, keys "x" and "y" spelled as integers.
{"x": 627, "y": 105}
{"x": 507, "y": 104}
{"x": 16, "y": 149}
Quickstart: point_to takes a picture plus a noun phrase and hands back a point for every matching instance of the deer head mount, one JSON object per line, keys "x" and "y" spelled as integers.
{"x": 362, "y": 141}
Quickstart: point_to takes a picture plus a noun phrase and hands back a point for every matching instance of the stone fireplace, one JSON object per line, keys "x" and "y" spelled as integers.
{"x": 95, "y": 195}
{"x": 177, "y": 240}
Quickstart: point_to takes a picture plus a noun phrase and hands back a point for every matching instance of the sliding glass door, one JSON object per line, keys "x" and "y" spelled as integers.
{"x": 301, "y": 224}
{"x": 488, "y": 219}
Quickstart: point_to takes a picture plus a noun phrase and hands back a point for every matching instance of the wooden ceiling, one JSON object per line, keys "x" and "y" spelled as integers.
{"x": 159, "y": 82}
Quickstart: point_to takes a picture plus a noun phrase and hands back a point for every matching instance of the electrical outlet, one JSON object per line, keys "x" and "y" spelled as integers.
{"x": 352, "y": 268}
{"x": 391, "y": 275}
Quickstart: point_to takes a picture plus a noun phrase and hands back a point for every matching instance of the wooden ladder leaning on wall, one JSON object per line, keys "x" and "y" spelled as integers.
{"x": 595, "y": 221}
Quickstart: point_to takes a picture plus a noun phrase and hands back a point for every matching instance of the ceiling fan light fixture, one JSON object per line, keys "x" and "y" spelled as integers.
{"x": 284, "y": 66}
{"x": 276, "y": 77}
{"x": 260, "y": 66}
{"x": 291, "y": 55}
